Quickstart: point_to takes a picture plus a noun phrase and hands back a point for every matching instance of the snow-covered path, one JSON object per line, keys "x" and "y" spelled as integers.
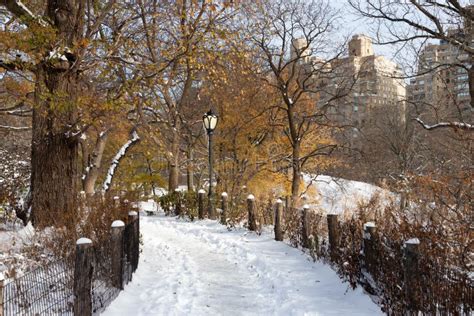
{"x": 201, "y": 268}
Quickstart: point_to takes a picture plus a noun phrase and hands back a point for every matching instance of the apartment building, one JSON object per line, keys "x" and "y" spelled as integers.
{"x": 441, "y": 86}
{"x": 375, "y": 84}
{"x": 357, "y": 86}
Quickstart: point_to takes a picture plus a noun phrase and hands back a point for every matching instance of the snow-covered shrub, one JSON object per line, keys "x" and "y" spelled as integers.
{"x": 441, "y": 221}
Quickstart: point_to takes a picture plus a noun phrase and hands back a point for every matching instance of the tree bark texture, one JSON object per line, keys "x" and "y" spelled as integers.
{"x": 173, "y": 179}
{"x": 55, "y": 150}
{"x": 296, "y": 180}
{"x": 190, "y": 170}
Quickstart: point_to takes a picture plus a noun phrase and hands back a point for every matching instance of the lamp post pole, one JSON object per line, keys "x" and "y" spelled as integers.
{"x": 210, "y": 209}
{"x": 210, "y": 122}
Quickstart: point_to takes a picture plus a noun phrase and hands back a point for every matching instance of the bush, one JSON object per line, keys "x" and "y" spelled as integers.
{"x": 442, "y": 283}
{"x": 180, "y": 204}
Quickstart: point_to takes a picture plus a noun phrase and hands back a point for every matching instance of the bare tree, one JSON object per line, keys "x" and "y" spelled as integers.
{"x": 297, "y": 46}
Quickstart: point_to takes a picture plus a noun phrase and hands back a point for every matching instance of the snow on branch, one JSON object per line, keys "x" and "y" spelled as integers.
{"x": 15, "y": 128}
{"x": 455, "y": 125}
{"x": 17, "y": 8}
{"x": 22, "y": 113}
{"x": 116, "y": 160}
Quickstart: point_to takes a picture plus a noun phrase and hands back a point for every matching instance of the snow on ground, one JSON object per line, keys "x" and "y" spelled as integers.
{"x": 335, "y": 196}
{"x": 328, "y": 194}
{"x": 150, "y": 207}
{"x": 12, "y": 240}
{"x": 202, "y": 268}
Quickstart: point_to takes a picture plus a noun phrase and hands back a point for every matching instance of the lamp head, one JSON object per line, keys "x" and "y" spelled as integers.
{"x": 210, "y": 121}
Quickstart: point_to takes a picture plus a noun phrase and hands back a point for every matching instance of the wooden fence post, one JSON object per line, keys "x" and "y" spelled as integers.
{"x": 305, "y": 226}
{"x": 136, "y": 243}
{"x": 251, "y": 212}
{"x": 83, "y": 278}
{"x": 2, "y": 304}
{"x": 410, "y": 273}
{"x": 201, "y": 194}
{"x": 333, "y": 232}
{"x": 278, "y": 220}
{"x": 117, "y": 253}
{"x": 116, "y": 201}
{"x": 224, "y": 206}
{"x": 131, "y": 242}
{"x": 369, "y": 246}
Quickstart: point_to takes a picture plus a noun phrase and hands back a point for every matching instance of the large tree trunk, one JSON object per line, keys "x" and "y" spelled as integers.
{"x": 296, "y": 180}
{"x": 54, "y": 157}
{"x": 173, "y": 175}
{"x": 190, "y": 170}
{"x": 471, "y": 83}
{"x": 173, "y": 179}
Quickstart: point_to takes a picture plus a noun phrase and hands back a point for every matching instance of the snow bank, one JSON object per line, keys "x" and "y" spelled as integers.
{"x": 159, "y": 192}
{"x": 149, "y": 207}
{"x": 14, "y": 240}
{"x": 15, "y": 250}
{"x": 334, "y": 196}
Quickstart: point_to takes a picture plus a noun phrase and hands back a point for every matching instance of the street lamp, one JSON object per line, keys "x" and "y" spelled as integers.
{"x": 210, "y": 122}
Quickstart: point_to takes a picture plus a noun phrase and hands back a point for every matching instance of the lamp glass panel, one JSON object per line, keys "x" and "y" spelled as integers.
{"x": 212, "y": 122}
{"x": 206, "y": 122}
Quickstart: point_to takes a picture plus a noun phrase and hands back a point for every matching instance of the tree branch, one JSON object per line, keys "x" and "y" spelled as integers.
{"x": 18, "y": 9}
{"x": 453, "y": 125}
{"x": 15, "y": 128}
{"x": 116, "y": 160}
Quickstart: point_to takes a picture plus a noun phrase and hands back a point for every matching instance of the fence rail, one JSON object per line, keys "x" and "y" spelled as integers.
{"x": 67, "y": 286}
